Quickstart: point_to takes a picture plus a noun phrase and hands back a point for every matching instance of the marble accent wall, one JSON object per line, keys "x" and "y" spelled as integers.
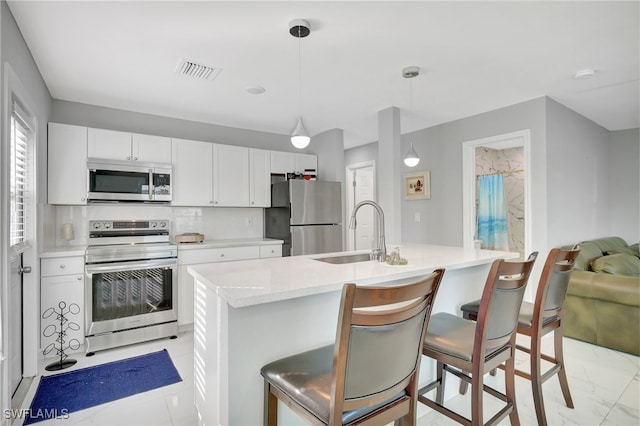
{"x": 489, "y": 161}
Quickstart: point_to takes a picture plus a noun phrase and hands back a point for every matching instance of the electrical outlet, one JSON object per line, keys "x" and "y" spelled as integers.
{"x": 416, "y": 217}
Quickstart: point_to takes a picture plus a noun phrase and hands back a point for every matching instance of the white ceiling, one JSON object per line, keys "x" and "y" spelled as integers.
{"x": 474, "y": 57}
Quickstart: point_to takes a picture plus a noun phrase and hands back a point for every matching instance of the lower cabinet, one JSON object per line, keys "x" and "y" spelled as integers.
{"x": 62, "y": 291}
{"x": 186, "y": 295}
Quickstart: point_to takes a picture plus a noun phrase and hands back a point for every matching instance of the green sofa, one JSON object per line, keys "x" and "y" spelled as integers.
{"x": 603, "y": 299}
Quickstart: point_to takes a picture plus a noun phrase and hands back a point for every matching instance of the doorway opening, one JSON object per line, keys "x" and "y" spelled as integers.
{"x": 507, "y": 157}
{"x": 361, "y": 185}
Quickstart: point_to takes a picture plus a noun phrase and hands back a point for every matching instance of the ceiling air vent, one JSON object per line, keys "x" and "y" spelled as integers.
{"x": 192, "y": 69}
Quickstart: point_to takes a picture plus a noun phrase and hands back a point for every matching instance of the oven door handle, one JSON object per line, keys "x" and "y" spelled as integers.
{"x": 128, "y": 266}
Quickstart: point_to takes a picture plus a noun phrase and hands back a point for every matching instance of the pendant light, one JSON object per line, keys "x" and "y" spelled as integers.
{"x": 411, "y": 159}
{"x": 299, "y": 28}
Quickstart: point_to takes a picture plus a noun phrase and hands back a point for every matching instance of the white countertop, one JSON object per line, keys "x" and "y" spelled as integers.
{"x": 253, "y": 282}
{"x": 63, "y": 251}
{"x": 231, "y": 242}
{"x": 79, "y": 250}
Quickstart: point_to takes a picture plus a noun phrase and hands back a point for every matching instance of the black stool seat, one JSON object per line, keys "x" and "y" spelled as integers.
{"x": 525, "y": 318}
{"x": 311, "y": 372}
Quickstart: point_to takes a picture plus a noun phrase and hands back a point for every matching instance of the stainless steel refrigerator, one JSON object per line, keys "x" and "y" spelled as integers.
{"x": 307, "y": 215}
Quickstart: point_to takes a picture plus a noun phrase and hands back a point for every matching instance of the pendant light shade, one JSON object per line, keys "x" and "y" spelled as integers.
{"x": 299, "y": 28}
{"x": 411, "y": 159}
{"x": 300, "y": 138}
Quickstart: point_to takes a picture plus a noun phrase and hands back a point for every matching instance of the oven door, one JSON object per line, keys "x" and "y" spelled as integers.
{"x": 126, "y": 295}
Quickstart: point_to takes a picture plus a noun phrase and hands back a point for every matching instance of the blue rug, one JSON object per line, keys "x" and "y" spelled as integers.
{"x": 60, "y": 394}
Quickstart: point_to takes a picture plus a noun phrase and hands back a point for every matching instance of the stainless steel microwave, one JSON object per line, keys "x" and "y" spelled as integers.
{"x": 112, "y": 180}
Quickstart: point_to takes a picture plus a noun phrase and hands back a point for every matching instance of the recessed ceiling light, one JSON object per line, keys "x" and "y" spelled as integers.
{"x": 584, "y": 74}
{"x": 256, "y": 90}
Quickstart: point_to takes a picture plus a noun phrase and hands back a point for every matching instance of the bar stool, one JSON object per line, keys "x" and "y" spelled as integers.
{"x": 370, "y": 374}
{"x": 538, "y": 319}
{"x": 469, "y": 349}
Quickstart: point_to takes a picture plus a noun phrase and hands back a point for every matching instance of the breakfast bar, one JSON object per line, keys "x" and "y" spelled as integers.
{"x": 248, "y": 313}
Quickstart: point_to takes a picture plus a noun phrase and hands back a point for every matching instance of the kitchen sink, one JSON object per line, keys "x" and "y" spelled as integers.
{"x": 347, "y": 258}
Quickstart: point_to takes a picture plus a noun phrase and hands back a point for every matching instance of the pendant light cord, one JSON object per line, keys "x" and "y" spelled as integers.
{"x": 299, "y": 71}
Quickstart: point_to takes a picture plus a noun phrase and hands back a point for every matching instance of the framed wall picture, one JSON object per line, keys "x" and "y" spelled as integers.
{"x": 417, "y": 186}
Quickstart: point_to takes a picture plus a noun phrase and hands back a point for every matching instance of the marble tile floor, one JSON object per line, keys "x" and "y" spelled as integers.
{"x": 605, "y": 386}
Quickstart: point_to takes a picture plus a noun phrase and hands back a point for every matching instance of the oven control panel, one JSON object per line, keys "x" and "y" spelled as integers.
{"x": 129, "y": 225}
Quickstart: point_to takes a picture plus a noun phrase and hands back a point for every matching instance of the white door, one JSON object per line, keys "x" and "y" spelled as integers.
{"x": 361, "y": 179}
{"x": 22, "y": 198}
{"x": 192, "y": 173}
{"x": 109, "y": 144}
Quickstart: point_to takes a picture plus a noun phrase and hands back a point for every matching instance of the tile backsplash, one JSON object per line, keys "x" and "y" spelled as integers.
{"x": 213, "y": 222}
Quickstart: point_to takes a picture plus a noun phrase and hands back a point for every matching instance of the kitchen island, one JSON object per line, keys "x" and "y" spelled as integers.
{"x": 248, "y": 313}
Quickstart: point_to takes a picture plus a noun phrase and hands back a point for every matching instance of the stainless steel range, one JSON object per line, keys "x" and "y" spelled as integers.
{"x": 130, "y": 287}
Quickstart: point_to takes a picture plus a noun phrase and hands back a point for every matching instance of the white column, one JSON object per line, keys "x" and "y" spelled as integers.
{"x": 389, "y": 182}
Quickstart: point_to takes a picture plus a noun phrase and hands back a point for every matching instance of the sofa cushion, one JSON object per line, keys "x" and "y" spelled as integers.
{"x": 609, "y": 243}
{"x": 617, "y": 264}
{"x": 632, "y": 250}
{"x": 588, "y": 253}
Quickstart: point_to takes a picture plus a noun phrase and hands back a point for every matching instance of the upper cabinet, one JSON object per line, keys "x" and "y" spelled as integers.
{"x": 151, "y": 149}
{"x": 289, "y": 162}
{"x": 192, "y": 173}
{"x": 204, "y": 173}
{"x": 230, "y": 176}
{"x": 259, "y": 178}
{"x": 209, "y": 174}
{"x": 125, "y": 146}
{"x": 67, "y": 168}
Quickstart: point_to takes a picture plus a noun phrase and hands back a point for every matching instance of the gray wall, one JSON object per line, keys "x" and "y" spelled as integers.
{"x": 19, "y": 69}
{"x": 578, "y": 174}
{"x": 624, "y": 179}
{"x": 128, "y": 121}
{"x": 14, "y": 51}
{"x": 440, "y": 151}
{"x": 585, "y": 179}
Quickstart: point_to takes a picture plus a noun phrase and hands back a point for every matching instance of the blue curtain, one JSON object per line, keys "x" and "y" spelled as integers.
{"x": 492, "y": 213}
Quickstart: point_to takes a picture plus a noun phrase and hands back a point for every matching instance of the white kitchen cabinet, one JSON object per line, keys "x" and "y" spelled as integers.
{"x": 271, "y": 250}
{"x": 151, "y": 149}
{"x": 259, "y": 178}
{"x": 62, "y": 280}
{"x": 283, "y": 162}
{"x": 230, "y": 176}
{"x": 289, "y": 162}
{"x": 192, "y": 173}
{"x": 67, "y": 164}
{"x": 306, "y": 162}
{"x": 187, "y": 300}
{"x": 125, "y": 146}
{"x": 109, "y": 144}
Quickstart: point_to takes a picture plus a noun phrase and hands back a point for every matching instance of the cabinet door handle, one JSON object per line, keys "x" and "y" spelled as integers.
{"x": 25, "y": 270}
{"x": 222, "y": 255}
{"x": 135, "y": 158}
{"x": 63, "y": 266}
{"x": 215, "y": 202}
{"x": 83, "y": 199}
{"x": 128, "y": 158}
{"x": 79, "y": 277}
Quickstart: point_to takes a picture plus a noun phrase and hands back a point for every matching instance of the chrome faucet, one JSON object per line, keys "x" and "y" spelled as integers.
{"x": 380, "y": 253}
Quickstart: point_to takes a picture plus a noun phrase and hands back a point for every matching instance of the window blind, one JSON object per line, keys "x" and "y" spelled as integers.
{"x": 21, "y": 134}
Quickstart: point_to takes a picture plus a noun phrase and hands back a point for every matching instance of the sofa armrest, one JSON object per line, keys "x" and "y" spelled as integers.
{"x": 608, "y": 287}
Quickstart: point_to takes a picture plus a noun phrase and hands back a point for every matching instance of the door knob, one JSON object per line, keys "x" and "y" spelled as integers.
{"x": 25, "y": 270}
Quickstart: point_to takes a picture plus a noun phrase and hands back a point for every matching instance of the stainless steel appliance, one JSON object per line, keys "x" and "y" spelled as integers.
{"x": 112, "y": 180}
{"x": 130, "y": 287}
{"x": 307, "y": 215}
